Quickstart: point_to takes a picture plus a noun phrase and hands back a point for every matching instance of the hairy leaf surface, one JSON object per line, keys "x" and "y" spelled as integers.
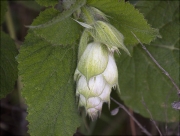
{"x": 8, "y": 71}
{"x": 51, "y": 23}
{"x": 52, "y": 16}
{"x": 56, "y": 33}
{"x": 140, "y": 77}
{"x": 47, "y": 73}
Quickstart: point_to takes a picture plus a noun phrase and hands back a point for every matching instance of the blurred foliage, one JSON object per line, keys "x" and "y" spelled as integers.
{"x": 8, "y": 51}
{"x": 140, "y": 77}
{"x": 8, "y": 71}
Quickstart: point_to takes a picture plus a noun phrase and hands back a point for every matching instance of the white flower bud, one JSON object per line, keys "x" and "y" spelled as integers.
{"x": 111, "y": 73}
{"x": 107, "y": 34}
{"x": 95, "y": 79}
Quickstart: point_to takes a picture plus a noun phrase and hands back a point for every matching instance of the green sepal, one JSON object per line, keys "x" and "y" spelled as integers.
{"x": 107, "y": 34}
{"x": 83, "y": 43}
{"x": 125, "y": 18}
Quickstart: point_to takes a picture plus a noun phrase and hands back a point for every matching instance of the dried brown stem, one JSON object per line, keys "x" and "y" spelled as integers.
{"x": 132, "y": 124}
{"x": 151, "y": 116}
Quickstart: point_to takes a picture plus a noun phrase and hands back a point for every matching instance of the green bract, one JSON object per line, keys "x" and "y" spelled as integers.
{"x": 83, "y": 43}
{"x": 107, "y": 34}
{"x": 94, "y": 60}
{"x": 96, "y": 74}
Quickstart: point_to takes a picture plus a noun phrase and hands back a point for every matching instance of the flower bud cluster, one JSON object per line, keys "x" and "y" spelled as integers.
{"x": 96, "y": 73}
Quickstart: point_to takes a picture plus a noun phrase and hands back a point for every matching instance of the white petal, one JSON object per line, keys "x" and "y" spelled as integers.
{"x": 77, "y": 74}
{"x": 82, "y": 87}
{"x": 111, "y": 73}
{"x": 99, "y": 106}
{"x": 96, "y": 85}
{"x": 82, "y": 101}
{"x": 93, "y": 113}
{"x": 93, "y": 102}
{"x": 105, "y": 96}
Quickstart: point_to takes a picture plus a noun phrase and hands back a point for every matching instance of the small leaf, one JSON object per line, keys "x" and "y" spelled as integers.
{"x": 47, "y": 73}
{"x": 8, "y": 72}
{"x": 126, "y": 19}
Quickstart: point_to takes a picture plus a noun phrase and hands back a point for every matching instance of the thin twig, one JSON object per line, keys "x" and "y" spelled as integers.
{"x": 166, "y": 116}
{"x": 126, "y": 110}
{"x": 154, "y": 60}
{"x": 151, "y": 116}
{"x": 132, "y": 124}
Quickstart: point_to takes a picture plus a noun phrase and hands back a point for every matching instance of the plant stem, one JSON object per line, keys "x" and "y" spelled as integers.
{"x": 154, "y": 60}
{"x": 133, "y": 130}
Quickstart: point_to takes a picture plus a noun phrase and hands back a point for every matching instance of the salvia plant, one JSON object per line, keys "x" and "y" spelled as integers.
{"x": 97, "y": 73}
{"x": 77, "y": 52}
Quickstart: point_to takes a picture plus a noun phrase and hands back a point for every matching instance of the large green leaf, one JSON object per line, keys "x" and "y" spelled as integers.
{"x": 51, "y": 22}
{"x": 52, "y": 33}
{"x": 8, "y": 71}
{"x": 140, "y": 77}
{"x": 126, "y": 18}
{"x": 52, "y": 16}
{"x": 47, "y": 73}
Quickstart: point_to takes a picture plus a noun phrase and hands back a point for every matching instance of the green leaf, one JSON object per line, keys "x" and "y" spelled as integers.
{"x": 126, "y": 18}
{"x": 62, "y": 33}
{"x": 140, "y": 77}
{"x": 8, "y": 71}
{"x": 58, "y": 28}
{"x": 3, "y": 10}
{"x": 47, "y": 2}
{"x": 52, "y": 16}
{"x": 47, "y": 73}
